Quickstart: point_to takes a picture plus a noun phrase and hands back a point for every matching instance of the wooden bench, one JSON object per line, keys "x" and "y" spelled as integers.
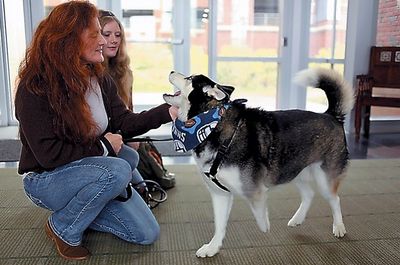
{"x": 384, "y": 72}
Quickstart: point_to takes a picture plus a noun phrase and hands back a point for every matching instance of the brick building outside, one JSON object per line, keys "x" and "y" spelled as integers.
{"x": 388, "y": 27}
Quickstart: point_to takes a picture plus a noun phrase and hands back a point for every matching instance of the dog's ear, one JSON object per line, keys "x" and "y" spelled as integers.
{"x": 227, "y": 89}
{"x": 215, "y": 92}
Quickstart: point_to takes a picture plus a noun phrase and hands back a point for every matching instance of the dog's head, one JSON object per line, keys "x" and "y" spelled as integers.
{"x": 196, "y": 94}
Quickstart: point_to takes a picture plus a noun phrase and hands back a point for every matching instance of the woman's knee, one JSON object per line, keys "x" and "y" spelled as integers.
{"x": 135, "y": 158}
{"x": 149, "y": 234}
{"x": 129, "y": 154}
{"x": 119, "y": 172}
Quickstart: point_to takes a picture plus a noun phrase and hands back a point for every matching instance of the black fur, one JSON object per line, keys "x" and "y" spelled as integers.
{"x": 275, "y": 145}
{"x": 267, "y": 148}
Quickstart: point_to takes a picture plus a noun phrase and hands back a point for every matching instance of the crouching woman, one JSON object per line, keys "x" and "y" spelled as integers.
{"x": 71, "y": 124}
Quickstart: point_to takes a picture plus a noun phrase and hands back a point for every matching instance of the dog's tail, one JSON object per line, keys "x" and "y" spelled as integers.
{"x": 338, "y": 91}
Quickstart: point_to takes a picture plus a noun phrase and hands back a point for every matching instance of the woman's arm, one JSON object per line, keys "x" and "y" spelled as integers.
{"x": 128, "y": 123}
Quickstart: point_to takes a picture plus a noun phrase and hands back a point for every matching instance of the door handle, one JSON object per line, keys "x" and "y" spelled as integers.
{"x": 176, "y": 41}
{"x": 285, "y": 41}
{"x": 167, "y": 41}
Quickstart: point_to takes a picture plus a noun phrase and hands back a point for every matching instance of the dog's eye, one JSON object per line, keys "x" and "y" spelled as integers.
{"x": 189, "y": 78}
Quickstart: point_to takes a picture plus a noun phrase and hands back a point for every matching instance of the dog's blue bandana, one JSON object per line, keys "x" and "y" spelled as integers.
{"x": 189, "y": 134}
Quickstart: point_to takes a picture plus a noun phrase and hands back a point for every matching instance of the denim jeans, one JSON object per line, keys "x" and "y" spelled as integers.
{"x": 81, "y": 195}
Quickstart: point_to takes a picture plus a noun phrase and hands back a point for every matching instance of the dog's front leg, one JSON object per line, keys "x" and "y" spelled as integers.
{"x": 258, "y": 204}
{"x": 222, "y": 204}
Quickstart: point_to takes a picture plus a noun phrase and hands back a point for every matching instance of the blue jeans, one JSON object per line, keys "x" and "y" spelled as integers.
{"x": 81, "y": 195}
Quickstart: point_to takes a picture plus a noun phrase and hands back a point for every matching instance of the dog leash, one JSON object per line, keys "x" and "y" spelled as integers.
{"x": 145, "y": 139}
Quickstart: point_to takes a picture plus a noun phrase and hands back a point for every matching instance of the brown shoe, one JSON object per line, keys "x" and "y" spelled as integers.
{"x": 66, "y": 251}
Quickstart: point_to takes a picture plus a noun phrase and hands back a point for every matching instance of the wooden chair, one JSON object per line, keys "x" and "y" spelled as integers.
{"x": 384, "y": 72}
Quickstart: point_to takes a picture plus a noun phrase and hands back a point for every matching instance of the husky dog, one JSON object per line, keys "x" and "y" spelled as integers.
{"x": 245, "y": 151}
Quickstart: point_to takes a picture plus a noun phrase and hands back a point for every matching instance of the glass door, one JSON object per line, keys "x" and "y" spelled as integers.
{"x": 149, "y": 32}
{"x": 12, "y": 48}
{"x": 245, "y": 47}
{"x": 327, "y": 43}
{"x": 254, "y": 45}
{"x": 259, "y": 45}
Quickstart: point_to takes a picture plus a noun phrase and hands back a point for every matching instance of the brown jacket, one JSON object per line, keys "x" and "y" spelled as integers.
{"x": 42, "y": 150}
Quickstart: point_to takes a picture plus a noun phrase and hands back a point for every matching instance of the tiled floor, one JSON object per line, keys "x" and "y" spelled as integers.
{"x": 369, "y": 197}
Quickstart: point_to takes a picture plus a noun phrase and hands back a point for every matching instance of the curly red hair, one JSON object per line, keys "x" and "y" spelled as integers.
{"x": 53, "y": 67}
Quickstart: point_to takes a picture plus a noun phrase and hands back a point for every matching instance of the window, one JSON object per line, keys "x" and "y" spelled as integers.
{"x": 388, "y": 34}
{"x": 247, "y": 49}
{"x": 14, "y": 47}
{"x": 266, "y": 12}
{"x": 148, "y": 29}
{"x": 327, "y": 43}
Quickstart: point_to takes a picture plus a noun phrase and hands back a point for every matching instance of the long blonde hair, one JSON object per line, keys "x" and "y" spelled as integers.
{"x": 118, "y": 66}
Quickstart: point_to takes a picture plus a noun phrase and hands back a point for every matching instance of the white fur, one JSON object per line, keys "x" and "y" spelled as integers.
{"x": 322, "y": 180}
{"x": 311, "y": 77}
{"x": 259, "y": 208}
{"x": 183, "y": 85}
{"x": 306, "y": 192}
{"x": 178, "y": 80}
{"x": 218, "y": 94}
{"x": 222, "y": 205}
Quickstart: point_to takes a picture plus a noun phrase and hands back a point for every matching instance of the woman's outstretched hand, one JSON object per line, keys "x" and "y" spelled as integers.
{"x": 173, "y": 112}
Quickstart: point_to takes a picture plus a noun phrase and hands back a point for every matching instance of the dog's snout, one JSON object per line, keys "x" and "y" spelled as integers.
{"x": 172, "y": 72}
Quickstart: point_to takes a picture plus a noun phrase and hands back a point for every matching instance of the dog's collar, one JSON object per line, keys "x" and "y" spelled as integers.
{"x": 189, "y": 134}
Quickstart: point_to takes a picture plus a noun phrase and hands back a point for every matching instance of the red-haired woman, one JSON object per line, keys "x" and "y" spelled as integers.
{"x": 69, "y": 114}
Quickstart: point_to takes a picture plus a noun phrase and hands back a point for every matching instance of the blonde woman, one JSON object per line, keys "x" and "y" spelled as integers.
{"x": 116, "y": 62}
{"x": 116, "y": 59}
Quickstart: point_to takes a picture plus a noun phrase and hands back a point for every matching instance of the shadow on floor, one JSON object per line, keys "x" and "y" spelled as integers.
{"x": 378, "y": 145}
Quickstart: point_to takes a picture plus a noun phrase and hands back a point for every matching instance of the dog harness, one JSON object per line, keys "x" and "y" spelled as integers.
{"x": 222, "y": 150}
{"x": 187, "y": 135}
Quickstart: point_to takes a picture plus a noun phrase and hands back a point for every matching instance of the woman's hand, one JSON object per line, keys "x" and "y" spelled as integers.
{"x": 134, "y": 145}
{"x": 173, "y": 112}
{"x": 115, "y": 140}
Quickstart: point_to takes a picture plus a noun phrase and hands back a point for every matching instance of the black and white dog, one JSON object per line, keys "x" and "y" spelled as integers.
{"x": 246, "y": 151}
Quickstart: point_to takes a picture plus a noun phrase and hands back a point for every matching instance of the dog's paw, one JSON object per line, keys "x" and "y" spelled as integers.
{"x": 295, "y": 221}
{"x": 207, "y": 250}
{"x": 339, "y": 230}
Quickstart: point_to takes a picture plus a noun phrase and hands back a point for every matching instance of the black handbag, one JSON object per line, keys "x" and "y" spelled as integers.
{"x": 156, "y": 177}
{"x": 150, "y": 191}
